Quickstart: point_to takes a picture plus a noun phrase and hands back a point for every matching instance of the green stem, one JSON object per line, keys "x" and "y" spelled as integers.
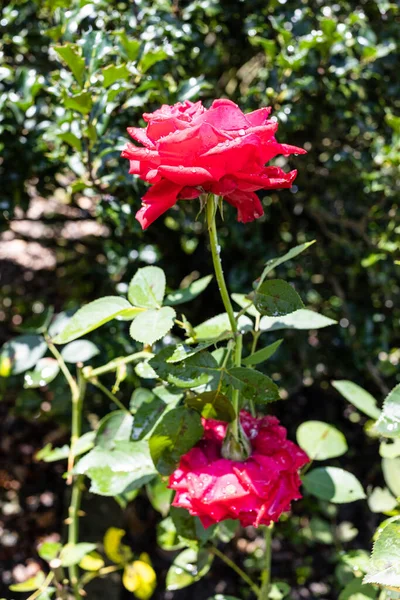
{"x": 266, "y": 574}
{"x": 235, "y": 393}
{"x": 219, "y": 274}
{"x": 114, "y": 364}
{"x": 237, "y": 569}
{"x": 73, "y": 530}
{"x": 110, "y": 395}
{"x": 215, "y": 251}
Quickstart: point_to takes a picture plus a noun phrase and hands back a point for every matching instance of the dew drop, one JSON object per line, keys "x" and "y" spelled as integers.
{"x": 242, "y": 132}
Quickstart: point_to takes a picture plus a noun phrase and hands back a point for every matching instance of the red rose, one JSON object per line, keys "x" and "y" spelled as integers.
{"x": 188, "y": 150}
{"x": 255, "y": 491}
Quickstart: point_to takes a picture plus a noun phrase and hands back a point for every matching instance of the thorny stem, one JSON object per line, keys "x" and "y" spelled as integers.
{"x": 237, "y": 569}
{"x": 266, "y": 574}
{"x": 43, "y": 587}
{"x": 73, "y": 530}
{"x": 114, "y": 364}
{"x": 219, "y": 274}
{"x": 110, "y": 395}
{"x": 78, "y": 389}
{"x": 215, "y": 251}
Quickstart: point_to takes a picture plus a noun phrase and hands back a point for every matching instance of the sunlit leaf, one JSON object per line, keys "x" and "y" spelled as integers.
{"x": 321, "y": 440}
{"x": 91, "y": 316}
{"x": 384, "y": 565}
{"x": 147, "y": 288}
{"x": 189, "y": 293}
{"x": 151, "y": 325}
{"x": 359, "y": 397}
{"x": 333, "y": 484}
{"x": 72, "y": 56}
{"x": 388, "y": 423}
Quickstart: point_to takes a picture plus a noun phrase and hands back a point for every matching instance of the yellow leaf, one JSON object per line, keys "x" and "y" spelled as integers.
{"x": 140, "y": 578}
{"x": 5, "y": 366}
{"x": 92, "y": 562}
{"x": 114, "y": 549}
{"x": 144, "y": 557}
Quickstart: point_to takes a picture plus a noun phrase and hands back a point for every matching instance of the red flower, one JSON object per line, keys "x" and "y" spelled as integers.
{"x": 255, "y": 491}
{"x": 188, "y": 150}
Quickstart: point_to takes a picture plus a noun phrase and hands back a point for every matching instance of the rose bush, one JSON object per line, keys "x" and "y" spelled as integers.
{"x": 188, "y": 150}
{"x": 255, "y": 491}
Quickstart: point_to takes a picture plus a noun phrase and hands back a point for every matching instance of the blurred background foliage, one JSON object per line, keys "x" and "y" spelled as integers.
{"x": 74, "y": 74}
{"x": 329, "y": 72}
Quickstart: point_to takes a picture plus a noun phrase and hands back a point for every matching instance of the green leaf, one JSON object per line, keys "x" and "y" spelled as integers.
{"x": 321, "y": 531}
{"x": 391, "y": 474}
{"x": 79, "y": 351}
{"x": 152, "y": 325}
{"x": 72, "y": 554}
{"x": 245, "y": 302}
{"x": 71, "y": 54}
{"x": 275, "y": 262}
{"x": 92, "y": 316}
{"x": 160, "y": 495}
{"x": 128, "y": 466}
{"x": 188, "y": 567}
{"x": 279, "y": 590}
{"x": 300, "y": 319}
{"x": 45, "y": 371}
{"x": 188, "y": 293}
{"x": 82, "y": 445}
{"x": 81, "y": 103}
{"x": 356, "y": 590}
{"x": 212, "y": 405}
{"x": 130, "y": 46}
{"x": 114, "y": 427}
{"x": 390, "y": 448}
{"x": 333, "y": 484}
{"x": 359, "y": 397}
{"x": 167, "y": 536}
{"x": 49, "y": 550}
{"x": 147, "y": 288}
{"x": 384, "y": 565}
{"x": 114, "y": 73}
{"x": 151, "y": 58}
{"x": 253, "y": 385}
{"x": 276, "y": 298}
{"x": 30, "y": 585}
{"x": 321, "y": 440}
{"x": 197, "y": 370}
{"x": 381, "y": 501}
{"x": 146, "y": 417}
{"x": 71, "y": 139}
{"x": 184, "y": 351}
{"x": 176, "y": 433}
{"x": 216, "y": 326}
{"x": 388, "y": 423}
{"x": 24, "y": 351}
{"x": 262, "y": 355}
{"x": 140, "y": 396}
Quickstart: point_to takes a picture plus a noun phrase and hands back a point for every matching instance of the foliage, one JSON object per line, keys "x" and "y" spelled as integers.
{"x": 74, "y": 75}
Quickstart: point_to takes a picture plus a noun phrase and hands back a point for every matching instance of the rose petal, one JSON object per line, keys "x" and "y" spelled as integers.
{"x": 248, "y": 205}
{"x": 159, "y": 198}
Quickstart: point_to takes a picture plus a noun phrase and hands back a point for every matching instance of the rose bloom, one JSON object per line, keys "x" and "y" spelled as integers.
{"x": 255, "y": 491}
{"x": 188, "y": 150}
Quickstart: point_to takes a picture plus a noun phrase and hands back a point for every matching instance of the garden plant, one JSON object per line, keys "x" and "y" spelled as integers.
{"x": 171, "y": 386}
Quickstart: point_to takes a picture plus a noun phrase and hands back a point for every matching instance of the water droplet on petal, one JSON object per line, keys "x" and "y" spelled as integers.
{"x": 242, "y": 132}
